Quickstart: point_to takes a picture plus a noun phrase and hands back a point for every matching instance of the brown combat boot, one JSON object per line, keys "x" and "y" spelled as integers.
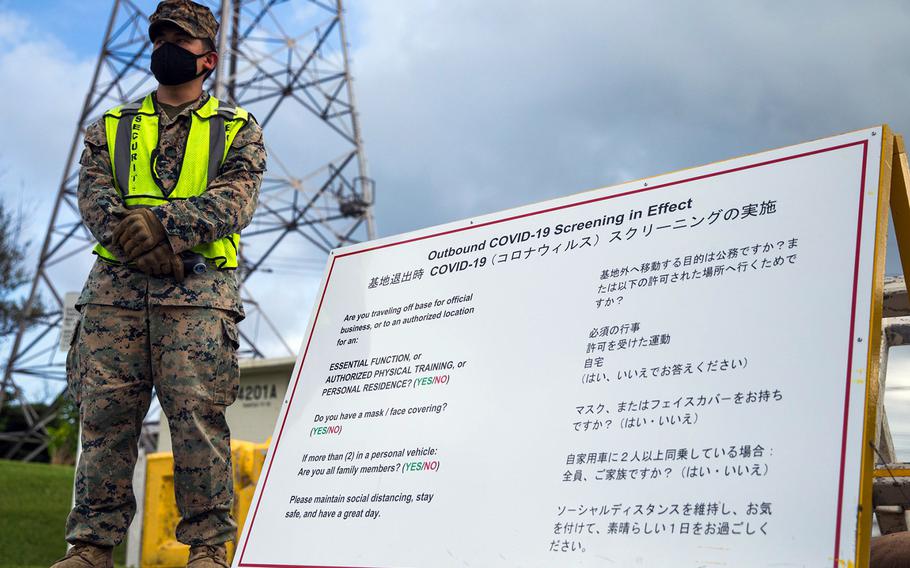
{"x": 85, "y": 555}
{"x": 208, "y": 556}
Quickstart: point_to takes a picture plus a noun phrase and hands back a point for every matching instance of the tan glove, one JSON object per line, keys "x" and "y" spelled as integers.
{"x": 139, "y": 232}
{"x": 161, "y": 261}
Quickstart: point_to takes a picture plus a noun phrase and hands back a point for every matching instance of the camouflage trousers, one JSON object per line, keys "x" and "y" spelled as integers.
{"x": 116, "y": 356}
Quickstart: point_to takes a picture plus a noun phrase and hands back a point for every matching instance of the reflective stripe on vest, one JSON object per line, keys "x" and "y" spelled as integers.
{"x": 132, "y": 139}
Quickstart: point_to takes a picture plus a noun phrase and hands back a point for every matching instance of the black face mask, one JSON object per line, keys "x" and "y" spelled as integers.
{"x": 173, "y": 65}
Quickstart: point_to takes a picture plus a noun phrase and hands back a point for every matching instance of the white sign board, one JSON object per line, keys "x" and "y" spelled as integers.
{"x": 669, "y": 372}
{"x": 70, "y": 317}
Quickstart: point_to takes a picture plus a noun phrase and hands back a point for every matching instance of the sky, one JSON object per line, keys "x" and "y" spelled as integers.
{"x": 476, "y": 106}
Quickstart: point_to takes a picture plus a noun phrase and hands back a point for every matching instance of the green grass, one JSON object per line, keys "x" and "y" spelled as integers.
{"x": 34, "y": 501}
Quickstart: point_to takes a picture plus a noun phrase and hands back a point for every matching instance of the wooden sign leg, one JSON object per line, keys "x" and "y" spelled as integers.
{"x": 900, "y": 201}
{"x": 891, "y": 515}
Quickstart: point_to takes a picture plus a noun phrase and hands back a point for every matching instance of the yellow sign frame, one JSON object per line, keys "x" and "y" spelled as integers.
{"x": 893, "y": 196}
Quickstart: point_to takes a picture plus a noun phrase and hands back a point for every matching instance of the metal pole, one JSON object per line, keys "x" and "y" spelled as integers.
{"x": 220, "y": 87}
{"x": 269, "y": 80}
{"x": 355, "y": 126}
{"x": 7, "y": 372}
{"x": 235, "y": 42}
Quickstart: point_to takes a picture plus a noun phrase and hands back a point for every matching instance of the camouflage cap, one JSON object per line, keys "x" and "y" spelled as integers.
{"x": 195, "y": 19}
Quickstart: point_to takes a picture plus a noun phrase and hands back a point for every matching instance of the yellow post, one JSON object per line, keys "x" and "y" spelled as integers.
{"x": 900, "y": 202}
{"x": 160, "y": 548}
{"x": 865, "y": 511}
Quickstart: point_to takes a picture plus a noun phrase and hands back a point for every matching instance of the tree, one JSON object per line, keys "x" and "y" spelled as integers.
{"x": 12, "y": 271}
{"x": 13, "y": 276}
{"x": 64, "y": 433}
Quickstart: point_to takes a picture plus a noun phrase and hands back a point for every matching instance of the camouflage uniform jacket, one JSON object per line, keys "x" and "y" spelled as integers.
{"x": 226, "y": 207}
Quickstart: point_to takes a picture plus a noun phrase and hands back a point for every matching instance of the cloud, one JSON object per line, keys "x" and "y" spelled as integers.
{"x": 470, "y": 107}
{"x": 45, "y": 87}
{"x": 12, "y": 28}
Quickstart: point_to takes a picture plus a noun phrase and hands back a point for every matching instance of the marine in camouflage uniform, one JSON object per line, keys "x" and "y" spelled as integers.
{"x": 139, "y": 330}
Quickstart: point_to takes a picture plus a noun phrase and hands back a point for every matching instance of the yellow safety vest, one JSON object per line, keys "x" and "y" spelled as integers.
{"x": 132, "y": 143}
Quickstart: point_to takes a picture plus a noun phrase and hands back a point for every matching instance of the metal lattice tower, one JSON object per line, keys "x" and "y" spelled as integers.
{"x": 286, "y": 61}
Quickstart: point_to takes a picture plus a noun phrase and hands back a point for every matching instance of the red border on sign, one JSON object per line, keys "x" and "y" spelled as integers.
{"x": 859, "y": 228}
